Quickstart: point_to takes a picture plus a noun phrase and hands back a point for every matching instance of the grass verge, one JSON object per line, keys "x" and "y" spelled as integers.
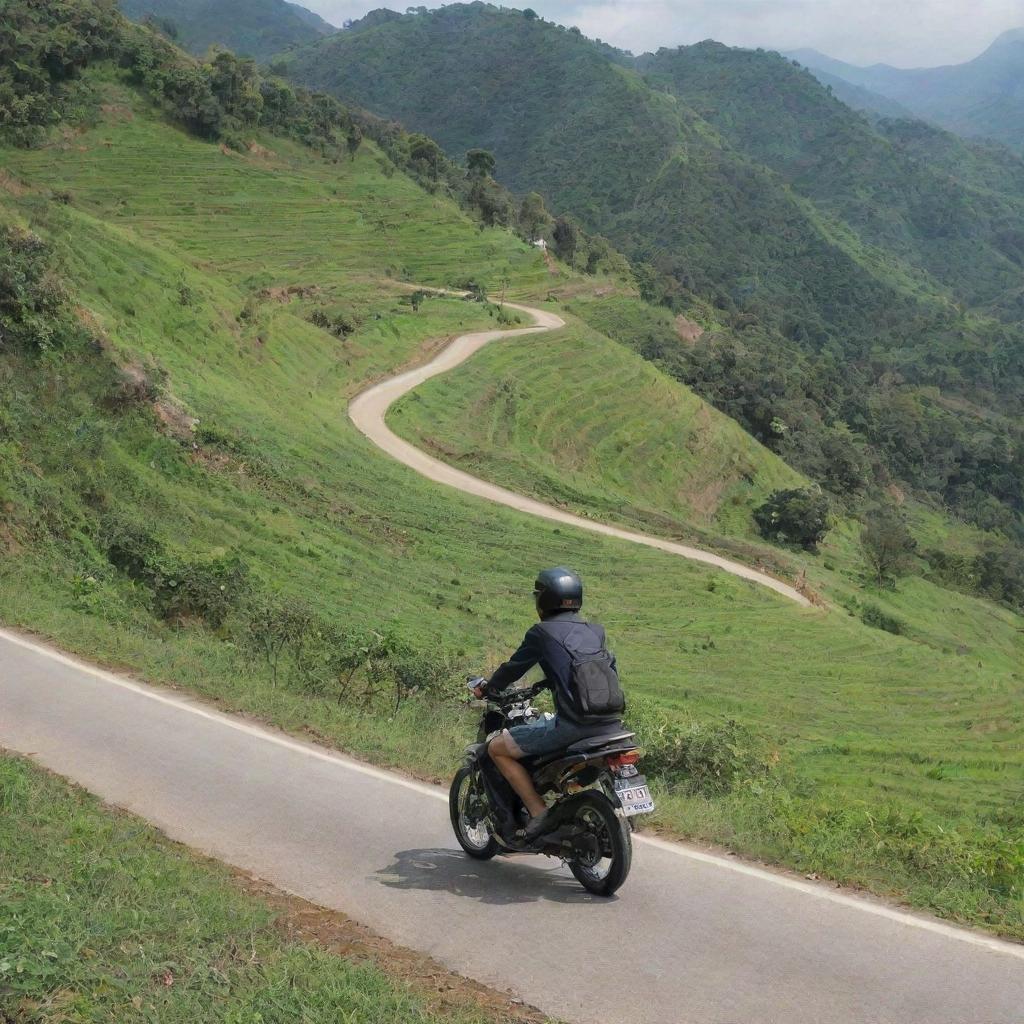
{"x": 103, "y": 919}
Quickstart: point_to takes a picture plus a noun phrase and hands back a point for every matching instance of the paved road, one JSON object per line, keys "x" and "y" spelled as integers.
{"x": 369, "y": 409}
{"x": 691, "y": 938}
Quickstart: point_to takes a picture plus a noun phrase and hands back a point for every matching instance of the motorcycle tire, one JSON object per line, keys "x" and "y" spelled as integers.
{"x": 476, "y": 841}
{"x": 602, "y": 875}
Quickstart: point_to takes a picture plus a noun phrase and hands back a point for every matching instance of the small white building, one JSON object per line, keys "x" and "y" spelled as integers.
{"x": 541, "y": 244}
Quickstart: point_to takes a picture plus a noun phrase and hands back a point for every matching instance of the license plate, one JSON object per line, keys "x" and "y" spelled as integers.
{"x": 634, "y": 795}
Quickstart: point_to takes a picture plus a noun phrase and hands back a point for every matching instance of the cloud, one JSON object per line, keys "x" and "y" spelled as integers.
{"x": 902, "y": 32}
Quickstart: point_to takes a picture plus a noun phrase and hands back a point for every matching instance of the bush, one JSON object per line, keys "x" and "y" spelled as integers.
{"x": 872, "y": 615}
{"x": 341, "y": 325}
{"x": 274, "y": 627}
{"x": 368, "y": 667}
{"x": 702, "y": 758}
{"x": 996, "y": 573}
{"x": 207, "y": 590}
{"x": 35, "y": 311}
{"x": 130, "y": 546}
{"x": 794, "y": 517}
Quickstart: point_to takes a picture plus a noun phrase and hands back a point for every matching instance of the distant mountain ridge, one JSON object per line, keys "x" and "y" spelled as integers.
{"x": 983, "y": 97}
{"x": 251, "y": 28}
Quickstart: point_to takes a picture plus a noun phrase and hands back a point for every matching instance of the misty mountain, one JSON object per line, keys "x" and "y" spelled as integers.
{"x": 983, "y": 97}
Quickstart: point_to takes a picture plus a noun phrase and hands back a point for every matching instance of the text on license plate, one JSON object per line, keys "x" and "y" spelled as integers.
{"x": 634, "y": 795}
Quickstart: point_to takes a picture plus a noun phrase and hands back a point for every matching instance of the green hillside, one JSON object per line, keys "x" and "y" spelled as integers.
{"x": 184, "y": 321}
{"x": 862, "y": 283}
{"x": 251, "y": 28}
{"x": 632, "y": 445}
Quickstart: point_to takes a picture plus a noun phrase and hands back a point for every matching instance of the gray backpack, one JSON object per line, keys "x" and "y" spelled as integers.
{"x": 596, "y": 689}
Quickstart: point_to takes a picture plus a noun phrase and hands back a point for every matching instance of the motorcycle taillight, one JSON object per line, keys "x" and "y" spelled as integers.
{"x": 621, "y": 760}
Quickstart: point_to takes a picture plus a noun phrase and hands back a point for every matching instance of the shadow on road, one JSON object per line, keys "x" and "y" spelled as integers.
{"x": 500, "y": 881}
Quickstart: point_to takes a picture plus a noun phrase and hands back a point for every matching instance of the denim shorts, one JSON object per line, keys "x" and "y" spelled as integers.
{"x": 548, "y": 735}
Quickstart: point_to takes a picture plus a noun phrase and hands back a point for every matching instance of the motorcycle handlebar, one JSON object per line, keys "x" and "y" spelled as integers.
{"x": 509, "y": 696}
{"x": 513, "y": 696}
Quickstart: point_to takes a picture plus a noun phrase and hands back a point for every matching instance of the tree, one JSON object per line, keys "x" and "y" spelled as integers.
{"x": 534, "y": 219}
{"x": 235, "y": 83}
{"x": 165, "y": 26}
{"x": 353, "y": 140}
{"x": 888, "y": 545}
{"x": 794, "y": 517}
{"x": 530, "y": 14}
{"x": 480, "y": 163}
{"x": 492, "y": 201}
{"x": 425, "y": 155}
{"x": 567, "y": 237}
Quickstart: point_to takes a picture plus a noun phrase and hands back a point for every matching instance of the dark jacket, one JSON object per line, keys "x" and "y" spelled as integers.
{"x": 540, "y": 647}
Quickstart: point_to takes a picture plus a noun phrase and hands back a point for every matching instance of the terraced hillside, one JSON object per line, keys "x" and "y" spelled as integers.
{"x": 192, "y": 427}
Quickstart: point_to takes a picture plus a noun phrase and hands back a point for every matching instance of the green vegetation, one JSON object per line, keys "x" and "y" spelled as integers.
{"x": 251, "y": 28}
{"x": 797, "y": 516}
{"x": 101, "y": 918}
{"x": 857, "y": 286}
{"x": 174, "y": 372}
{"x": 629, "y": 445}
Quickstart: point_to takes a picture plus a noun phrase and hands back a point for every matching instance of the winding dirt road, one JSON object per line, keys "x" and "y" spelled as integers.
{"x": 369, "y": 409}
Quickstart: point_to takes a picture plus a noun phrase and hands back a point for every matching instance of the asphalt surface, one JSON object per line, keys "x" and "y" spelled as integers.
{"x": 692, "y": 937}
{"x": 369, "y": 409}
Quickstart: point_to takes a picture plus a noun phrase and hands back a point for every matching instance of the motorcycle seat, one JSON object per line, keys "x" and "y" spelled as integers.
{"x": 592, "y": 743}
{"x": 583, "y": 749}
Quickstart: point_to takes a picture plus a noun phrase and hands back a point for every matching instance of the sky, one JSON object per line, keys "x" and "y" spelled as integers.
{"x": 907, "y": 33}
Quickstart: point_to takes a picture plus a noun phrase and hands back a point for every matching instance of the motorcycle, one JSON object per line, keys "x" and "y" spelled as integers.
{"x": 593, "y": 789}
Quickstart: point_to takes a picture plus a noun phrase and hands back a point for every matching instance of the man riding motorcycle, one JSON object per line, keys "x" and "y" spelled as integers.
{"x": 581, "y": 674}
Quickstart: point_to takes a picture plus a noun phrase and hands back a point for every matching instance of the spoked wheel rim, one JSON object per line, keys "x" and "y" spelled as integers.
{"x": 594, "y": 845}
{"x": 478, "y": 835}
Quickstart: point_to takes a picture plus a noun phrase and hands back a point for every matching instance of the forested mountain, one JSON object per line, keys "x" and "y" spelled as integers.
{"x": 252, "y": 28}
{"x": 983, "y": 97}
{"x": 859, "y": 98}
{"x": 858, "y": 285}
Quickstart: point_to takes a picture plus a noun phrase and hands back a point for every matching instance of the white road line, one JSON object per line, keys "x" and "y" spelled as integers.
{"x": 678, "y": 849}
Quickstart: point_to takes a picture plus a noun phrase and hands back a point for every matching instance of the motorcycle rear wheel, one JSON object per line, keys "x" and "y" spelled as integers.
{"x": 603, "y": 869}
{"x": 476, "y": 840}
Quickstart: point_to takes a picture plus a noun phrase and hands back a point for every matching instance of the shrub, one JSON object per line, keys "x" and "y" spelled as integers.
{"x": 129, "y": 545}
{"x": 794, "y": 517}
{"x": 341, "y": 325}
{"x": 274, "y": 627}
{"x": 35, "y": 311}
{"x": 872, "y": 615}
{"x": 888, "y": 545}
{"x": 207, "y": 590}
{"x": 996, "y": 573}
{"x": 705, "y": 758}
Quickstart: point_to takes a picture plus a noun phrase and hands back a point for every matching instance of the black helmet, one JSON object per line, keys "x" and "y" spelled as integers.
{"x": 558, "y": 590}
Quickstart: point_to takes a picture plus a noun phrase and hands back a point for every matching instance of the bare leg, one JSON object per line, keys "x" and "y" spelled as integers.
{"x": 517, "y": 776}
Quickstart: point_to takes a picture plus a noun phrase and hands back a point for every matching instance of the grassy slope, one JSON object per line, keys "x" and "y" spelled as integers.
{"x": 504, "y": 415}
{"x": 328, "y": 518}
{"x": 584, "y": 421}
{"x": 102, "y": 919}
